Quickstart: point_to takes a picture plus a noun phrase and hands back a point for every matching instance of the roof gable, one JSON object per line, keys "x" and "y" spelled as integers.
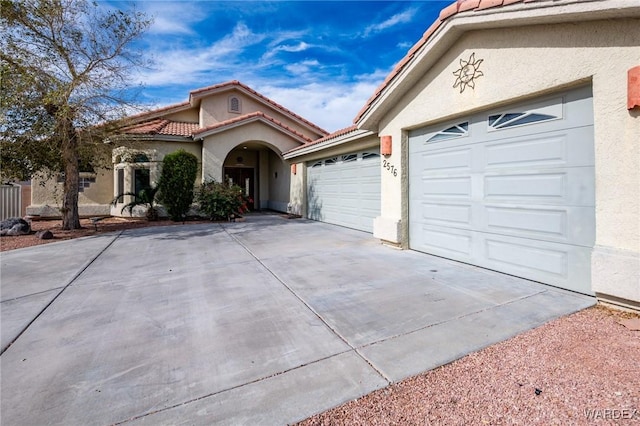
{"x": 197, "y": 95}
{"x": 466, "y": 15}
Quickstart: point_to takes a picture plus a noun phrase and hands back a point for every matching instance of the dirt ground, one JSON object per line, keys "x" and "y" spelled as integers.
{"x": 582, "y": 369}
{"x": 110, "y": 224}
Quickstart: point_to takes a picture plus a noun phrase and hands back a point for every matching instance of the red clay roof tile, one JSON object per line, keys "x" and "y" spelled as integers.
{"x": 257, "y": 114}
{"x": 161, "y": 126}
{"x": 264, "y": 98}
{"x": 333, "y": 135}
{"x": 448, "y": 11}
{"x": 465, "y": 5}
{"x": 486, "y": 4}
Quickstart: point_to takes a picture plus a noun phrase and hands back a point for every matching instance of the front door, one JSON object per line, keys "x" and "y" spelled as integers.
{"x": 243, "y": 177}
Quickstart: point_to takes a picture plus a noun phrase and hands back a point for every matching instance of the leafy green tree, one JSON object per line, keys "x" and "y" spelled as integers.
{"x": 178, "y": 176}
{"x": 64, "y": 68}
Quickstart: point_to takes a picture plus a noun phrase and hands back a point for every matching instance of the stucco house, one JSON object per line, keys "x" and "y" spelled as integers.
{"x": 236, "y": 133}
{"x": 509, "y": 138}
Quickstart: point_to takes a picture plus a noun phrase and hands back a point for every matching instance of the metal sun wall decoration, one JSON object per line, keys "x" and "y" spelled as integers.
{"x": 468, "y": 72}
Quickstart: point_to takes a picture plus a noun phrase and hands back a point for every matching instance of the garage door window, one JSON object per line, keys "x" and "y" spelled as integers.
{"x": 455, "y": 131}
{"x": 511, "y": 119}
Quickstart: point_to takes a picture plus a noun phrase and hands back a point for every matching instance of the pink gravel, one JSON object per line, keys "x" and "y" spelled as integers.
{"x": 583, "y": 369}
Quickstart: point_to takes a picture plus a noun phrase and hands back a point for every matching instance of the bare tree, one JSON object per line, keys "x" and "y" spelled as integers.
{"x": 65, "y": 68}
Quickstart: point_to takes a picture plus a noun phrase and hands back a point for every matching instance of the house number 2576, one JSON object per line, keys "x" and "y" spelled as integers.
{"x": 392, "y": 169}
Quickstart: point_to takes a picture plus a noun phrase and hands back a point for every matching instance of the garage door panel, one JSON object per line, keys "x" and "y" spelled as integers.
{"x": 515, "y": 198}
{"x": 345, "y": 190}
{"x": 550, "y": 150}
{"x": 452, "y": 215}
{"x": 452, "y": 243}
{"x": 522, "y": 153}
{"x": 531, "y": 222}
{"x": 556, "y": 264}
{"x": 572, "y": 186}
{"x": 456, "y": 186}
{"x": 450, "y": 160}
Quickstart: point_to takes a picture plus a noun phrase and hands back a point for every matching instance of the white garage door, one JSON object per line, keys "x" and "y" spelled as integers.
{"x": 510, "y": 190}
{"x": 345, "y": 190}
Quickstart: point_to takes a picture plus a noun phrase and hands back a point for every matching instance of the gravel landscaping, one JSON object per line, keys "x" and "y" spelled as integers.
{"x": 582, "y": 369}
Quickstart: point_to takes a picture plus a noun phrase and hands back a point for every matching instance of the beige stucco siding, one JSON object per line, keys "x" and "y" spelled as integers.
{"x": 93, "y": 200}
{"x": 524, "y": 63}
{"x": 187, "y": 116}
{"x": 279, "y": 183}
{"x": 214, "y": 109}
{"x": 216, "y": 147}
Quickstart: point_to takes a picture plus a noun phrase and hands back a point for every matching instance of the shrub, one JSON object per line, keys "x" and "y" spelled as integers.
{"x": 219, "y": 201}
{"x": 179, "y": 170}
{"x": 145, "y": 198}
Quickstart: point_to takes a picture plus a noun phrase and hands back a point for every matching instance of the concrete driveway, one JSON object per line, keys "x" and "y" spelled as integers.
{"x": 262, "y": 322}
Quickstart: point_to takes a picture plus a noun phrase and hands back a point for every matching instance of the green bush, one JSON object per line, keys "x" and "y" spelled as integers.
{"x": 219, "y": 201}
{"x": 178, "y": 176}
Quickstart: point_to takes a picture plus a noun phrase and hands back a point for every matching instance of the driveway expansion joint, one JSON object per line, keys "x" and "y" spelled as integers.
{"x": 309, "y": 307}
{"x": 75, "y": 276}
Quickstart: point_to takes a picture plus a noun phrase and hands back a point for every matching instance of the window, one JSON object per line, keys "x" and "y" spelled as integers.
{"x": 370, "y": 155}
{"x": 141, "y": 180}
{"x": 140, "y": 158}
{"x": 134, "y": 170}
{"x": 234, "y": 104}
{"x": 539, "y": 113}
{"x": 349, "y": 157}
{"x": 120, "y": 185}
{"x": 456, "y": 131}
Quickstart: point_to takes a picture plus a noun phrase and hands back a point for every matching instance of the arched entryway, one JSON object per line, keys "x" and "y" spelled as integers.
{"x": 258, "y": 168}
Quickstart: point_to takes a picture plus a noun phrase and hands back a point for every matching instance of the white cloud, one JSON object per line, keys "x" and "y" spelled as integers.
{"x": 292, "y": 48}
{"x": 191, "y": 65}
{"x": 295, "y": 48}
{"x": 331, "y": 105}
{"x": 398, "y": 18}
{"x": 303, "y": 67}
{"x": 172, "y": 17}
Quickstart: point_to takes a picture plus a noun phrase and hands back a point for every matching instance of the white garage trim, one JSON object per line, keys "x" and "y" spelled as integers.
{"x": 345, "y": 189}
{"x": 511, "y": 190}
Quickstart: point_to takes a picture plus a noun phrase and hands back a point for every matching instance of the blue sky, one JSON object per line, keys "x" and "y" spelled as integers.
{"x": 321, "y": 59}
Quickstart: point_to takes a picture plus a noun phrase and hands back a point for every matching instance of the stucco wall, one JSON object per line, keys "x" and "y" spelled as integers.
{"x": 279, "y": 180}
{"x": 216, "y": 147}
{"x": 46, "y": 196}
{"x": 525, "y": 62}
{"x": 214, "y": 109}
{"x": 298, "y": 189}
{"x": 187, "y": 116}
{"x": 95, "y": 200}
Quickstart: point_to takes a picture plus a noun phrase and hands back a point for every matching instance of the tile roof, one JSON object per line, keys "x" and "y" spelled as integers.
{"x": 161, "y": 126}
{"x": 333, "y": 135}
{"x": 236, "y": 83}
{"x": 446, "y": 13}
{"x": 162, "y": 110}
{"x": 148, "y": 115}
{"x": 248, "y": 117}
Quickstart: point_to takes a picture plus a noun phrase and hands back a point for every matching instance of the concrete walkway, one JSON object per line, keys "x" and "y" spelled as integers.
{"x": 262, "y": 322}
